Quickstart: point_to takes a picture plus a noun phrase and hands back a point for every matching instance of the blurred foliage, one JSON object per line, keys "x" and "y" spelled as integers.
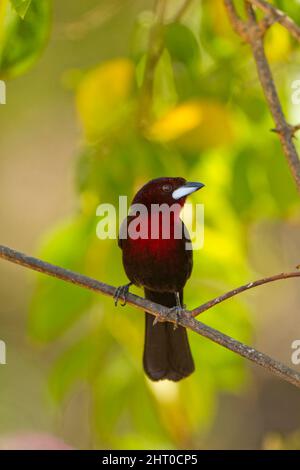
{"x": 21, "y": 6}
{"x": 207, "y": 120}
{"x": 103, "y": 97}
{"x": 24, "y": 28}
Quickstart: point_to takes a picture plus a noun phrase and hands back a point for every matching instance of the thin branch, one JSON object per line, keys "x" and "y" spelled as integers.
{"x": 253, "y": 33}
{"x": 237, "y": 23}
{"x": 239, "y": 290}
{"x": 278, "y": 16}
{"x": 163, "y": 313}
{"x": 266, "y": 24}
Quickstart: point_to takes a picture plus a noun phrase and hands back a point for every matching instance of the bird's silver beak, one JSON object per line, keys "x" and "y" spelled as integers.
{"x": 186, "y": 189}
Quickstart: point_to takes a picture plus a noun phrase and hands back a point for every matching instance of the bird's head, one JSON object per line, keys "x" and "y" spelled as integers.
{"x": 166, "y": 191}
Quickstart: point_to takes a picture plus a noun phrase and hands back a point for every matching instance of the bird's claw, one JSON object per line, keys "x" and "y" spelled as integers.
{"x": 121, "y": 293}
{"x": 179, "y": 312}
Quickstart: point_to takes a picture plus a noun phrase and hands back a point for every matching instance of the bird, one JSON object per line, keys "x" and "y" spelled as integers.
{"x": 153, "y": 240}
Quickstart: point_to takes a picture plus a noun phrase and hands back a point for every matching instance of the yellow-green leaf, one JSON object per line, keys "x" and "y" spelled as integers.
{"x": 22, "y": 40}
{"x": 21, "y": 6}
{"x": 195, "y": 125}
{"x": 103, "y": 97}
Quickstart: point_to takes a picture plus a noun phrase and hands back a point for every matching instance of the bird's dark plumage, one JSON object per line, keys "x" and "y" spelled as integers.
{"x": 161, "y": 266}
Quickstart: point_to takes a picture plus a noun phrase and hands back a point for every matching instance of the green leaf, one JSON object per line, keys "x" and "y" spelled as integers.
{"x": 22, "y": 40}
{"x": 21, "y": 6}
{"x": 181, "y": 43}
{"x": 195, "y": 125}
{"x": 164, "y": 90}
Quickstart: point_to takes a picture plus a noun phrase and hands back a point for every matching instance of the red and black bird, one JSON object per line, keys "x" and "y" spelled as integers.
{"x": 158, "y": 260}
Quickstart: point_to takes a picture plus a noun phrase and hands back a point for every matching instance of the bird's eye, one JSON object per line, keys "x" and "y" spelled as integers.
{"x": 167, "y": 188}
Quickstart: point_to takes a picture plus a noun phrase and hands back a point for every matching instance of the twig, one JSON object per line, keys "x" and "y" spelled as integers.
{"x": 237, "y": 23}
{"x": 278, "y": 16}
{"x": 253, "y": 33}
{"x": 295, "y": 129}
{"x": 239, "y": 290}
{"x": 187, "y": 319}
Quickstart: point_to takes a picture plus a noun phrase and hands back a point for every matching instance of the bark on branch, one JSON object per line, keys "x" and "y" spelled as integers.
{"x": 252, "y": 32}
{"x": 187, "y": 319}
{"x": 278, "y": 16}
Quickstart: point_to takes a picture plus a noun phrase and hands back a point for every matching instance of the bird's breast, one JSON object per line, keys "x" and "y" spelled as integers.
{"x": 157, "y": 262}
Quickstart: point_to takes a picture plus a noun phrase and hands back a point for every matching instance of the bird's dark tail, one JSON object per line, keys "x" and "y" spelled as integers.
{"x": 167, "y": 353}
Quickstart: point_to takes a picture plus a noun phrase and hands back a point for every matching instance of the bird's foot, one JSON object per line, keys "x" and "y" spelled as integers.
{"x": 179, "y": 313}
{"x": 122, "y": 293}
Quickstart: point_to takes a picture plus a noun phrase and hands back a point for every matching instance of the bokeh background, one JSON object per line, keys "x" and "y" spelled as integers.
{"x": 81, "y": 126}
